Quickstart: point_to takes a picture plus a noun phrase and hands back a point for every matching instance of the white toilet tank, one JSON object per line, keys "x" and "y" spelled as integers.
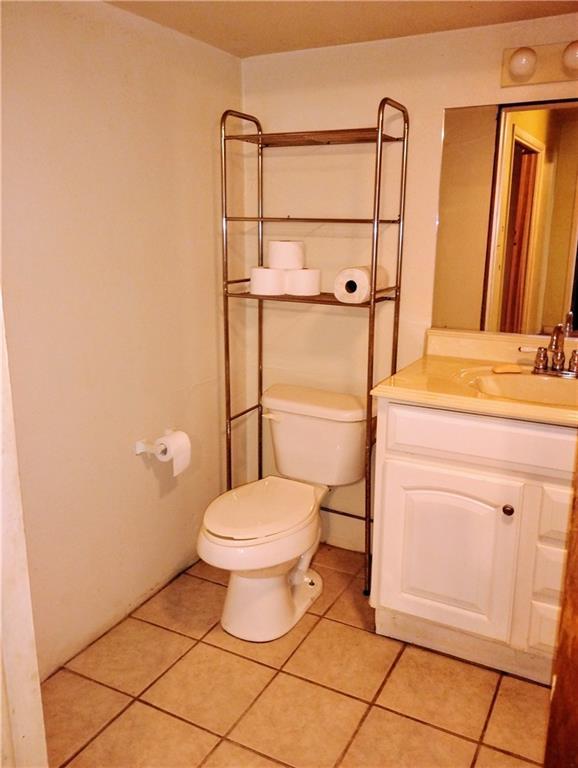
{"x": 318, "y": 436}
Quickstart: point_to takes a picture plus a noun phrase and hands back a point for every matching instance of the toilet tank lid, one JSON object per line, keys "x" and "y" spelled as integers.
{"x": 307, "y": 401}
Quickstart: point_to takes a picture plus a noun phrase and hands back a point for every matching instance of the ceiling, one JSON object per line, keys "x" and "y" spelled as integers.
{"x": 251, "y": 28}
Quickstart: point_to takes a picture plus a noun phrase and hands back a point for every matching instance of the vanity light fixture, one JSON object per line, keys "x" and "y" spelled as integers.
{"x": 528, "y": 65}
{"x": 570, "y": 56}
{"x": 523, "y": 63}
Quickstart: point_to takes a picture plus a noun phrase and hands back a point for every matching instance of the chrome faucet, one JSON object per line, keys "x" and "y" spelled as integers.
{"x": 556, "y": 347}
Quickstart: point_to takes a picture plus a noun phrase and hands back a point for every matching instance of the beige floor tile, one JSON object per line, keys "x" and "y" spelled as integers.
{"x": 130, "y": 656}
{"x": 75, "y": 710}
{"x": 490, "y": 758}
{"x": 210, "y": 687}
{"x": 334, "y": 582}
{"x": 390, "y": 741}
{"x": 339, "y": 559}
{"x": 299, "y": 723}
{"x": 205, "y": 571}
{"x": 274, "y": 653}
{"x": 519, "y": 719}
{"x": 445, "y": 692}
{"x": 142, "y": 737}
{"x": 229, "y": 755}
{"x": 353, "y": 607}
{"x": 348, "y": 659}
{"x": 188, "y": 605}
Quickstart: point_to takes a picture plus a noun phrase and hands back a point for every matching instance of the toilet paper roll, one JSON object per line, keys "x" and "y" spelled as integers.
{"x": 267, "y": 282}
{"x": 286, "y": 254}
{"x": 303, "y": 282}
{"x": 175, "y": 447}
{"x": 353, "y": 285}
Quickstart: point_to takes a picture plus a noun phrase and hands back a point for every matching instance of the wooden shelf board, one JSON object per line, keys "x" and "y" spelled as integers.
{"x": 387, "y": 294}
{"x": 314, "y": 138}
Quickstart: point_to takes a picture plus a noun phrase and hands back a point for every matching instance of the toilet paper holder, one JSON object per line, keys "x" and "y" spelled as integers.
{"x": 144, "y": 446}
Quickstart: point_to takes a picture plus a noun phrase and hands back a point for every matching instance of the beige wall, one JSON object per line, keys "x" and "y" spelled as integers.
{"x": 464, "y": 211}
{"x": 111, "y": 257}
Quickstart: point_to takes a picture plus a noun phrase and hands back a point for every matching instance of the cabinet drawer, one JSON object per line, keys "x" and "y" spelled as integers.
{"x": 543, "y": 626}
{"x": 555, "y": 512}
{"x": 536, "y": 448}
{"x": 548, "y": 572}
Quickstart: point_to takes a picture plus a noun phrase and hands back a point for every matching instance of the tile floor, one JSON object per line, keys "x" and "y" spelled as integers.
{"x": 167, "y": 688}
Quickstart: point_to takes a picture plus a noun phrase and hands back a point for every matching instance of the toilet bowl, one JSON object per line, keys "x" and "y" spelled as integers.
{"x": 266, "y": 532}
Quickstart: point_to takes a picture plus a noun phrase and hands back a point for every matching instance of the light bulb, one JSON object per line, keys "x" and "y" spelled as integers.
{"x": 523, "y": 62}
{"x": 570, "y": 56}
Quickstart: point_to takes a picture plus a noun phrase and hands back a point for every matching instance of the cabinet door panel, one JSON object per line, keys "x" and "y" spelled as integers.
{"x": 449, "y": 550}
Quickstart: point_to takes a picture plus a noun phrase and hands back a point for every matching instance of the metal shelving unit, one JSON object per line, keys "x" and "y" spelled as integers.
{"x": 261, "y": 140}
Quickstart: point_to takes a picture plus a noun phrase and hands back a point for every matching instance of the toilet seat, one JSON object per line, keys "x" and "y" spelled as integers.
{"x": 263, "y": 510}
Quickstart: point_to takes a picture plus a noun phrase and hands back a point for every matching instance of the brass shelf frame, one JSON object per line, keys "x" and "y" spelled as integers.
{"x": 307, "y": 220}
{"x": 376, "y": 136}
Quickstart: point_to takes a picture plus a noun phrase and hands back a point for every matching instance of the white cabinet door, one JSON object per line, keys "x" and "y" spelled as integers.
{"x": 449, "y": 549}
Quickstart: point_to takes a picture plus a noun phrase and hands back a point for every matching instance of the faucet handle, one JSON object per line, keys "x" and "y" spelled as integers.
{"x": 569, "y": 323}
{"x": 541, "y": 360}
{"x": 573, "y": 364}
{"x": 558, "y": 358}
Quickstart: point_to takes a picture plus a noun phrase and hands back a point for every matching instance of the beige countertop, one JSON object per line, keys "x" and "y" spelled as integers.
{"x": 448, "y": 382}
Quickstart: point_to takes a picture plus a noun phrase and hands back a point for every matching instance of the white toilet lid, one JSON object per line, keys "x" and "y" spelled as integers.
{"x": 263, "y": 508}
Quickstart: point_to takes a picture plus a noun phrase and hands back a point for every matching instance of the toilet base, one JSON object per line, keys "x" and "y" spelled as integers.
{"x": 264, "y": 605}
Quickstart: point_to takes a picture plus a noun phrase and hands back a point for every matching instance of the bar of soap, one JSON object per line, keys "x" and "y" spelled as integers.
{"x": 507, "y": 369}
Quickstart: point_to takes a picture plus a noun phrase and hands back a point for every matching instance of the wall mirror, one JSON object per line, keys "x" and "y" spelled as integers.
{"x": 508, "y": 218}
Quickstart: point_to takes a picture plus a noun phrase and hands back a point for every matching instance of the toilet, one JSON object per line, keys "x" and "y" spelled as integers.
{"x": 266, "y": 532}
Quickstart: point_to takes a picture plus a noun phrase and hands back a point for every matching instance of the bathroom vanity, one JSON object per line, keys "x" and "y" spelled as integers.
{"x": 472, "y": 501}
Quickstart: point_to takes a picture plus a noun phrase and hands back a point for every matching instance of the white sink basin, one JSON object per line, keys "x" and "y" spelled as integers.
{"x": 547, "y": 390}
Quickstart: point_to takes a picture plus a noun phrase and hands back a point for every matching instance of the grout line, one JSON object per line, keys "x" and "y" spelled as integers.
{"x": 273, "y": 678}
{"x": 98, "y": 682}
{"x": 255, "y": 700}
{"x": 362, "y": 629}
{"x": 167, "y": 629}
{"x": 164, "y": 672}
{"x": 210, "y": 752}
{"x": 389, "y": 672}
{"x": 204, "y": 578}
{"x": 97, "y": 734}
{"x": 371, "y": 704}
{"x": 513, "y": 754}
{"x": 326, "y": 687}
{"x": 249, "y": 749}
{"x": 490, "y": 712}
{"x": 336, "y": 598}
{"x": 239, "y": 655}
{"x": 303, "y": 639}
{"x": 548, "y": 686}
{"x": 182, "y": 719}
{"x": 462, "y": 736}
{"x": 486, "y": 722}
